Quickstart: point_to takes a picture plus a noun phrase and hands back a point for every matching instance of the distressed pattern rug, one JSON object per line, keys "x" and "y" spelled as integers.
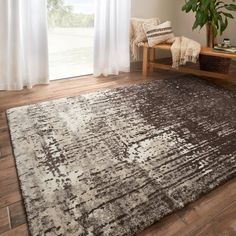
{"x": 117, "y": 161}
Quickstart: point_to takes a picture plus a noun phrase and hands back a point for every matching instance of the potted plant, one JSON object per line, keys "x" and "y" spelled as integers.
{"x": 215, "y": 15}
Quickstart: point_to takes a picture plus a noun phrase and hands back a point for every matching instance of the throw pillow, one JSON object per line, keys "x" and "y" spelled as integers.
{"x": 157, "y": 34}
{"x": 137, "y": 32}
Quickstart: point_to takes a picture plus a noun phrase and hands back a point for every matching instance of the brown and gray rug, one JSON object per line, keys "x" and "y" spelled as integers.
{"x": 114, "y": 162}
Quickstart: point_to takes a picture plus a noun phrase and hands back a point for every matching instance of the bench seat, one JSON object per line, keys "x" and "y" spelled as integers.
{"x": 149, "y": 63}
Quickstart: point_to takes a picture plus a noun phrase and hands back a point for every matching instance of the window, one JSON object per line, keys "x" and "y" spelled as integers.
{"x": 70, "y": 35}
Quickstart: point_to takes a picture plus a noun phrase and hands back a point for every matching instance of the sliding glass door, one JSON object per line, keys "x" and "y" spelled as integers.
{"x": 70, "y": 34}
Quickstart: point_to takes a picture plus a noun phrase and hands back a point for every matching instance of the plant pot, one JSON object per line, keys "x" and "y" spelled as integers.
{"x": 214, "y": 64}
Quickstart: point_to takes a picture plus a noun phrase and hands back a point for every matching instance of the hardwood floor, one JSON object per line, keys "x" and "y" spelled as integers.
{"x": 213, "y": 214}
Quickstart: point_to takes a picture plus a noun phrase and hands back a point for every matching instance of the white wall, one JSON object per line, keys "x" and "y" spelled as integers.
{"x": 153, "y": 8}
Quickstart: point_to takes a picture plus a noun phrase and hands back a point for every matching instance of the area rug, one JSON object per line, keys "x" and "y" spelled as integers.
{"x": 117, "y": 161}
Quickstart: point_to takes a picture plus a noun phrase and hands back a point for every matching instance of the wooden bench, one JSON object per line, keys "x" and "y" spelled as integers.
{"x": 149, "y": 62}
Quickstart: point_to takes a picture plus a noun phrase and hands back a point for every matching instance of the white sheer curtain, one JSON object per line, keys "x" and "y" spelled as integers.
{"x": 111, "y": 49}
{"x": 23, "y": 44}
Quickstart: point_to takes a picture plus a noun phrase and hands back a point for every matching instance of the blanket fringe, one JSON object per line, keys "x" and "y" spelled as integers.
{"x": 184, "y": 50}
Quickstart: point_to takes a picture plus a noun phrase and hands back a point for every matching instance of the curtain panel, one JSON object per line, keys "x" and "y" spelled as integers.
{"x": 23, "y": 44}
{"x": 112, "y": 27}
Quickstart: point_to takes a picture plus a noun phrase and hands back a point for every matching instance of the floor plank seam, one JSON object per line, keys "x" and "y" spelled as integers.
{"x": 9, "y": 217}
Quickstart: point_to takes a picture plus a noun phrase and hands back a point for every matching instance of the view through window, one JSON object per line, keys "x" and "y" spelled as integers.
{"x": 70, "y": 36}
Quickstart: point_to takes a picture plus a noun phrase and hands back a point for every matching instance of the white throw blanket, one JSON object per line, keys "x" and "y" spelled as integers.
{"x": 184, "y": 50}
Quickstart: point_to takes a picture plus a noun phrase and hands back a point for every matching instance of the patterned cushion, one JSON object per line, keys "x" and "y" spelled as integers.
{"x": 137, "y": 32}
{"x": 157, "y": 34}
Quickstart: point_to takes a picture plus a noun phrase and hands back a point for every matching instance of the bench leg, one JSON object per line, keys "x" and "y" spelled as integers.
{"x": 145, "y": 61}
{"x": 151, "y": 58}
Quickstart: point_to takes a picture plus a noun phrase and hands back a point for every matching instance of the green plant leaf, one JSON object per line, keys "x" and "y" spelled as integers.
{"x": 228, "y": 15}
{"x": 211, "y": 11}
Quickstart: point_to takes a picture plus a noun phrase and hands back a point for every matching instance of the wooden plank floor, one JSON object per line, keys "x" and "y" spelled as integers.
{"x": 213, "y": 214}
